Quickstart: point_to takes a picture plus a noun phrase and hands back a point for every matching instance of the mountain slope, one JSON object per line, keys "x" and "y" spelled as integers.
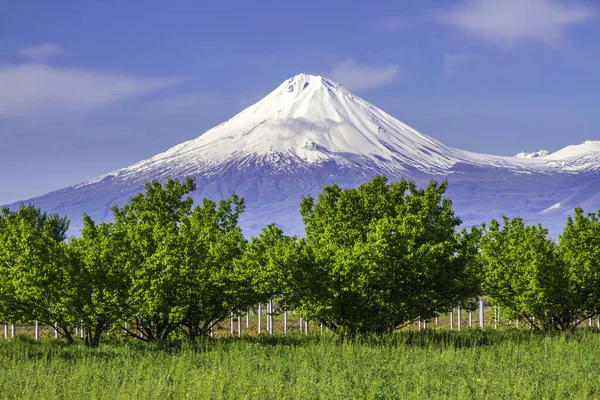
{"x": 311, "y": 131}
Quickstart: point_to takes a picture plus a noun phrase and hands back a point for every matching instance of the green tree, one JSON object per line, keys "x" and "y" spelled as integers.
{"x": 280, "y": 267}
{"x": 523, "y": 274}
{"x": 9, "y": 309}
{"x": 152, "y": 250}
{"x": 579, "y": 249}
{"x": 35, "y": 284}
{"x": 180, "y": 260}
{"x": 214, "y": 284}
{"x": 98, "y": 272}
{"x": 379, "y": 256}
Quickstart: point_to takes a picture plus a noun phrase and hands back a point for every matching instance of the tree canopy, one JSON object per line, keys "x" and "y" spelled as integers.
{"x": 378, "y": 256}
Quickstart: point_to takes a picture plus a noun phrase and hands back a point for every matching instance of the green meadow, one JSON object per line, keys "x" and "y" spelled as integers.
{"x": 436, "y": 363}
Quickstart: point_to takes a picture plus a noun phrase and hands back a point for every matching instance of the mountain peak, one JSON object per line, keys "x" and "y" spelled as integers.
{"x": 309, "y": 122}
{"x": 536, "y": 154}
{"x": 303, "y": 81}
{"x": 297, "y": 86}
{"x": 589, "y": 148}
{"x": 312, "y": 120}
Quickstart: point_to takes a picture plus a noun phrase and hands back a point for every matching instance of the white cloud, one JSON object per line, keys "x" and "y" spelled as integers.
{"x": 356, "y": 77}
{"x": 42, "y": 52}
{"x": 453, "y": 63}
{"x": 506, "y": 22}
{"x": 33, "y": 89}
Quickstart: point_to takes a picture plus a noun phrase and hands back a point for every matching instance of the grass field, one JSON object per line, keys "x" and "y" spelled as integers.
{"x": 427, "y": 364}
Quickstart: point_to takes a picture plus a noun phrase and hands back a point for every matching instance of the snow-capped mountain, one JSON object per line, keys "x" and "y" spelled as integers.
{"x": 311, "y": 131}
{"x": 535, "y": 154}
{"x": 581, "y": 157}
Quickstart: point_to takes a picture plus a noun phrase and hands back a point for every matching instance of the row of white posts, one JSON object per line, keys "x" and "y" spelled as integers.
{"x": 269, "y": 312}
{"x": 303, "y": 324}
{"x": 13, "y": 331}
{"x": 423, "y": 324}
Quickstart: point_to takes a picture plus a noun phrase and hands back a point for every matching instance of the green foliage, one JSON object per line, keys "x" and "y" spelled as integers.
{"x": 34, "y": 283}
{"x": 579, "y": 250}
{"x": 377, "y": 257}
{"x": 374, "y": 258}
{"x": 214, "y": 285}
{"x": 99, "y": 276}
{"x": 525, "y": 276}
{"x": 279, "y": 266}
{"x": 180, "y": 260}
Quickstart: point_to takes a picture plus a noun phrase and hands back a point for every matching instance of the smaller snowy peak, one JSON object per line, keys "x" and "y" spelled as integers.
{"x": 550, "y": 209}
{"x": 535, "y": 154}
{"x": 586, "y": 149}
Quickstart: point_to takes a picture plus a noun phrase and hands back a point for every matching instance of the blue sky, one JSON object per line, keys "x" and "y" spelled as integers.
{"x": 87, "y": 87}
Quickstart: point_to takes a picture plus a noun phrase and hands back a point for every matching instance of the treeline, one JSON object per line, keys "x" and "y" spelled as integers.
{"x": 373, "y": 259}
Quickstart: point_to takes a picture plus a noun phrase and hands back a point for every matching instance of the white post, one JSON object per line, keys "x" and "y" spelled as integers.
{"x": 496, "y": 317}
{"x": 301, "y": 326}
{"x": 458, "y": 319}
{"x": 56, "y": 330}
{"x": 271, "y": 317}
{"x": 5, "y": 331}
{"x": 481, "y": 316}
{"x": 37, "y": 330}
{"x": 13, "y": 330}
{"x": 424, "y": 324}
{"x": 436, "y": 320}
{"x": 239, "y": 324}
{"x": 81, "y": 333}
{"x": 451, "y": 319}
{"x": 259, "y": 316}
{"x": 306, "y": 327}
{"x": 285, "y": 322}
{"x": 590, "y": 321}
{"x": 248, "y": 318}
{"x": 598, "y": 320}
{"x": 267, "y": 316}
{"x": 470, "y": 319}
{"x": 231, "y": 324}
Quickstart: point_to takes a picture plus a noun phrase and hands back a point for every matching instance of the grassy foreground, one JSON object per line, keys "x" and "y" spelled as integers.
{"x": 431, "y": 364}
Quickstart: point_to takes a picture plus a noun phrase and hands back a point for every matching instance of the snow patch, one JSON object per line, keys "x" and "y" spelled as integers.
{"x": 551, "y": 208}
{"x": 587, "y": 148}
{"x": 535, "y": 154}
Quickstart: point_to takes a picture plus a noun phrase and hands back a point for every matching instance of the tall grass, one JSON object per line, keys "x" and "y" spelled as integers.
{"x": 427, "y": 364}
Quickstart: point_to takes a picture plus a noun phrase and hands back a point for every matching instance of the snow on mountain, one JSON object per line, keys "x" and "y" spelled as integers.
{"x": 310, "y": 120}
{"x": 553, "y": 207}
{"x": 535, "y": 154}
{"x": 586, "y": 149}
{"x": 311, "y": 131}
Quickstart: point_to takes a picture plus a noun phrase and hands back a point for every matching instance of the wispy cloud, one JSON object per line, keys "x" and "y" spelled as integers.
{"x": 453, "y": 63}
{"x": 34, "y": 89}
{"x": 42, "y": 52}
{"x": 392, "y": 23}
{"x": 191, "y": 102}
{"x": 507, "y": 22}
{"x": 357, "y": 77}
